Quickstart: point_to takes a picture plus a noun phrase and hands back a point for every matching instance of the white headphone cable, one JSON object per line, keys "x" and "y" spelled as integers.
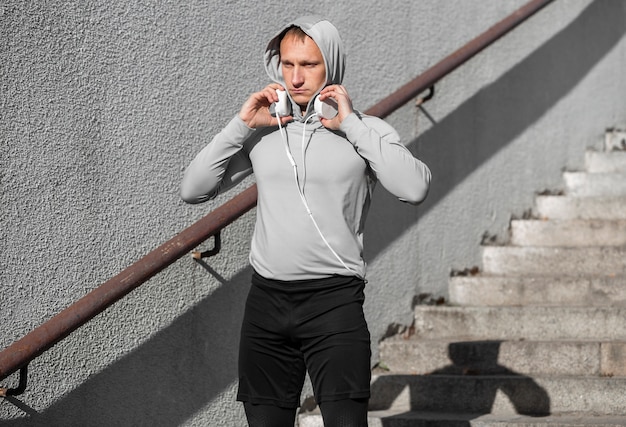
{"x": 301, "y": 191}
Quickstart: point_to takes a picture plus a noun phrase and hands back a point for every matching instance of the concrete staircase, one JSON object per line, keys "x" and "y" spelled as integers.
{"x": 537, "y": 337}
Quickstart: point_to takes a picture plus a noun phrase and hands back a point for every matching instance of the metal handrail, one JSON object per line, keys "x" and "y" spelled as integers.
{"x": 19, "y": 354}
{"x": 40, "y": 339}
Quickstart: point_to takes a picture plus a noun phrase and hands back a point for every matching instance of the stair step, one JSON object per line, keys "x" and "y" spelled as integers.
{"x": 400, "y": 418}
{"x": 426, "y": 356}
{"x": 511, "y": 323}
{"x": 594, "y": 207}
{"x": 575, "y": 232}
{"x": 499, "y": 394}
{"x": 583, "y": 184}
{"x": 482, "y": 290}
{"x": 568, "y": 261}
{"x": 607, "y": 162}
{"x": 541, "y": 330}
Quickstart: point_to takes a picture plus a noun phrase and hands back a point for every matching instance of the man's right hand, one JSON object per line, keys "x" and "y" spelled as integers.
{"x": 255, "y": 111}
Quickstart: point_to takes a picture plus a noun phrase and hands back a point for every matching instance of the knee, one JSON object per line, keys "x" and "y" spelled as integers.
{"x": 345, "y": 413}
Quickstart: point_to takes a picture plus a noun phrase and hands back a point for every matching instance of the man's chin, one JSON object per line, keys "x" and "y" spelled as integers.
{"x": 301, "y": 100}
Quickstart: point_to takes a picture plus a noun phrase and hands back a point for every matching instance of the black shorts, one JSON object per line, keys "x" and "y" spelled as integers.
{"x": 315, "y": 325}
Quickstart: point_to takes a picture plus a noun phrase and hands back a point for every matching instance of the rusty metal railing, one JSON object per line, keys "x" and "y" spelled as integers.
{"x": 18, "y": 355}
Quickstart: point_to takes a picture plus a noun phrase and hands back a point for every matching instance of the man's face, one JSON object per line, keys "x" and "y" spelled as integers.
{"x": 303, "y": 68}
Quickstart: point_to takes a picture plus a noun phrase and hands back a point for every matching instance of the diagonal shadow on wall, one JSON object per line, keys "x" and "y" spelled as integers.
{"x": 165, "y": 380}
{"x": 453, "y": 148}
{"x": 183, "y": 367}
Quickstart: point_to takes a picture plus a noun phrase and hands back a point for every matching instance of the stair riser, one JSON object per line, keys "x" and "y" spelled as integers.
{"x": 521, "y": 357}
{"x": 601, "y": 162}
{"x": 561, "y": 207}
{"x": 429, "y": 420}
{"x": 573, "y": 422}
{"x": 568, "y": 233}
{"x": 542, "y": 291}
{"x": 530, "y": 323}
{"x": 582, "y": 184}
{"x": 535, "y": 261}
{"x": 500, "y": 394}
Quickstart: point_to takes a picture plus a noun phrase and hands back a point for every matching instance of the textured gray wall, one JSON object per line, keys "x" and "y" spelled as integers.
{"x": 103, "y": 104}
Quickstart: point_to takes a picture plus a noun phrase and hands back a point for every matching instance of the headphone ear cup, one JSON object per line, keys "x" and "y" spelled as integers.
{"x": 326, "y": 109}
{"x": 282, "y": 107}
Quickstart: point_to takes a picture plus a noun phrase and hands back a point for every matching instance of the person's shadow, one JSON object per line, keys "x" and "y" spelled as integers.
{"x": 465, "y": 389}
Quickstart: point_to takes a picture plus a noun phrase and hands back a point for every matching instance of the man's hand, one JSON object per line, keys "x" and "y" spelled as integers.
{"x": 344, "y": 105}
{"x": 255, "y": 111}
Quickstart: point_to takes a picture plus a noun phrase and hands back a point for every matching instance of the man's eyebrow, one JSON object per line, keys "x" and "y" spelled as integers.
{"x": 303, "y": 61}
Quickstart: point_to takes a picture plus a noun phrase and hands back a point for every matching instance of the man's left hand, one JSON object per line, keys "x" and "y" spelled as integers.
{"x": 344, "y": 105}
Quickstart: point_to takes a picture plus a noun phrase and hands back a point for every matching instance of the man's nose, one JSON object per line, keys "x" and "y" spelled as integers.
{"x": 297, "y": 78}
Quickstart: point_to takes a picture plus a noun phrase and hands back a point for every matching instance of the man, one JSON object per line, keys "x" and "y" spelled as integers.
{"x": 315, "y": 177}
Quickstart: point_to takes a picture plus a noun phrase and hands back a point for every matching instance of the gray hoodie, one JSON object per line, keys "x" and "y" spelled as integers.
{"x": 310, "y": 218}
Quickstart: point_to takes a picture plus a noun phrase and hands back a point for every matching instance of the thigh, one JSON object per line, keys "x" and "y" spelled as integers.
{"x": 271, "y": 365}
{"x": 339, "y": 359}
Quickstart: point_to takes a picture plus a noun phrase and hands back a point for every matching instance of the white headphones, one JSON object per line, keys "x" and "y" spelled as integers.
{"x": 327, "y": 109}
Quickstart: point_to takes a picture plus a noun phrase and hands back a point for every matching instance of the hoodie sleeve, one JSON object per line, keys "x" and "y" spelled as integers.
{"x": 219, "y": 166}
{"x": 403, "y": 175}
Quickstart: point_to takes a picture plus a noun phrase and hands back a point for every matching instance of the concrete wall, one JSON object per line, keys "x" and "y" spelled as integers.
{"x": 102, "y": 105}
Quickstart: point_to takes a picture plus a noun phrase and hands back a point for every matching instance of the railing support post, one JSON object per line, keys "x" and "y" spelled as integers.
{"x": 21, "y": 387}
{"x": 217, "y": 246}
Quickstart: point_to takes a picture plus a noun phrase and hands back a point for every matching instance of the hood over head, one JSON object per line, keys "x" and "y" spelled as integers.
{"x": 327, "y": 38}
